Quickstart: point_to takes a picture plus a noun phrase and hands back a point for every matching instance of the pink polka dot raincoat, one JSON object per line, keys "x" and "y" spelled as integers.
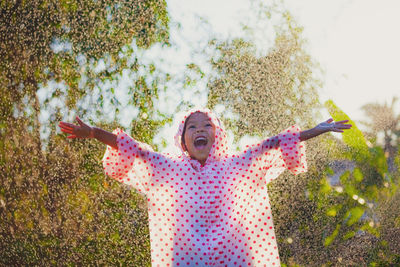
{"x": 218, "y": 214}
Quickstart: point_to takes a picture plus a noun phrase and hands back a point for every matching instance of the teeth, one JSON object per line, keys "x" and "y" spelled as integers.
{"x": 200, "y": 141}
{"x": 200, "y": 138}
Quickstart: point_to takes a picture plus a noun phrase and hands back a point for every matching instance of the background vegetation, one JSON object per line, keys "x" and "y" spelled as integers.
{"x": 59, "y": 59}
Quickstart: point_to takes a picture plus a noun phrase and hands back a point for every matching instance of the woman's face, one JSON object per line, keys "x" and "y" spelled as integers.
{"x": 199, "y": 136}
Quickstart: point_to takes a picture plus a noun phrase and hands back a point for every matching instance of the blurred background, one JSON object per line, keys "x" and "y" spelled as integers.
{"x": 260, "y": 66}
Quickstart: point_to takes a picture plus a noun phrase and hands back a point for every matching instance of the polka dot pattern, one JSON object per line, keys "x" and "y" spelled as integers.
{"x": 218, "y": 214}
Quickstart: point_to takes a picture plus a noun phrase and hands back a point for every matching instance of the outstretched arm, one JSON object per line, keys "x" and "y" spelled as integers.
{"x": 82, "y": 130}
{"x": 323, "y": 127}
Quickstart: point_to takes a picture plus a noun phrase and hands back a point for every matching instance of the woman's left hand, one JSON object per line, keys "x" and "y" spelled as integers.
{"x": 333, "y": 126}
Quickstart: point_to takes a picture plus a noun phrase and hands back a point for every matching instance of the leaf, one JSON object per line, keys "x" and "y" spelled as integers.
{"x": 378, "y": 160}
{"x": 329, "y": 171}
{"x": 332, "y": 237}
{"x": 372, "y": 230}
{"x": 358, "y": 176}
{"x": 353, "y": 138}
{"x": 355, "y": 215}
{"x": 332, "y": 211}
{"x": 344, "y": 177}
{"x": 325, "y": 186}
{"x": 349, "y": 234}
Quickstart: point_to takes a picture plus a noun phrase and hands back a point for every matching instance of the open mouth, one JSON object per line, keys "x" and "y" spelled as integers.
{"x": 200, "y": 142}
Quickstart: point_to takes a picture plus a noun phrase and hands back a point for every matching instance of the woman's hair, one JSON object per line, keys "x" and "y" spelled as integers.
{"x": 183, "y": 138}
{"x": 183, "y": 133}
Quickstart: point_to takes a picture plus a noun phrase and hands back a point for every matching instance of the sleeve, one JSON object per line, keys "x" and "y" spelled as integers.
{"x": 284, "y": 151}
{"x": 131, "y": 163}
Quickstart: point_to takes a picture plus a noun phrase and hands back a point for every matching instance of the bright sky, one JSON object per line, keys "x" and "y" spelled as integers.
{"x": 355, "y": 41}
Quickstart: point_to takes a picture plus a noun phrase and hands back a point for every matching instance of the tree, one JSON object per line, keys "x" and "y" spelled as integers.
{"x": 265, "y": 91}
{"x": 316, "y": 219}
{"x": 56, "y": 205}
{"x": 364, "y": 208}
{"x": 383, "y": 120}
{"x": 29, "y": 28}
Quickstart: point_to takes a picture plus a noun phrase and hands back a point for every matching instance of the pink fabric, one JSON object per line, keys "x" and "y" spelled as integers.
{"x": 218, "y": 214}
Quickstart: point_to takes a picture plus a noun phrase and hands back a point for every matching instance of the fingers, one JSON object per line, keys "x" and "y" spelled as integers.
{"x": 344, "y": 126}
{"x": 336, "y": 126}
{"x": 66, "y": 128}
{"x": 79, "y": 121}
{"x": 337, "y": 122}
{"x": 341, "y": 122}
{"x": 340, "y": 127}
{"x": 67, "y": 131}
{"x": 70, "y": 128}
{"x": 66, "y": 124}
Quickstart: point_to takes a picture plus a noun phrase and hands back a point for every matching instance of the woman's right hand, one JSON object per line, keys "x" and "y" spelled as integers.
{"x": 82, "y": 130}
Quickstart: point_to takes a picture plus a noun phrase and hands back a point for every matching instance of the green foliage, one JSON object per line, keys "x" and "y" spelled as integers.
{"x": 332, "y": 237}
{"x": 29, "y": 29}
{"x": 56, "y": 204}
{"x": 356, "y": 208}
{"x": 277, "y": 89}
{"x": 332, "y": 222}
{"x": 268, "y": 91}
{"x": 71, "y": 212}
{"x": 354, "y": 138}
{"x": 355, "y": 215}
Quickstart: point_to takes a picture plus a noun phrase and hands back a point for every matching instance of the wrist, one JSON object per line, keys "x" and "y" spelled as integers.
{"x": 92, "y": 132}
{"x": 320, "y": 130}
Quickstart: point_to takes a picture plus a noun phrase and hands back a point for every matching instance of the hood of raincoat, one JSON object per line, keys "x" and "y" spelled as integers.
{"x": 218, "y": 149}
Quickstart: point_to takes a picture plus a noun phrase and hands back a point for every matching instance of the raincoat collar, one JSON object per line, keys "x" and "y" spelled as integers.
{"x": 219, "y": 149}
